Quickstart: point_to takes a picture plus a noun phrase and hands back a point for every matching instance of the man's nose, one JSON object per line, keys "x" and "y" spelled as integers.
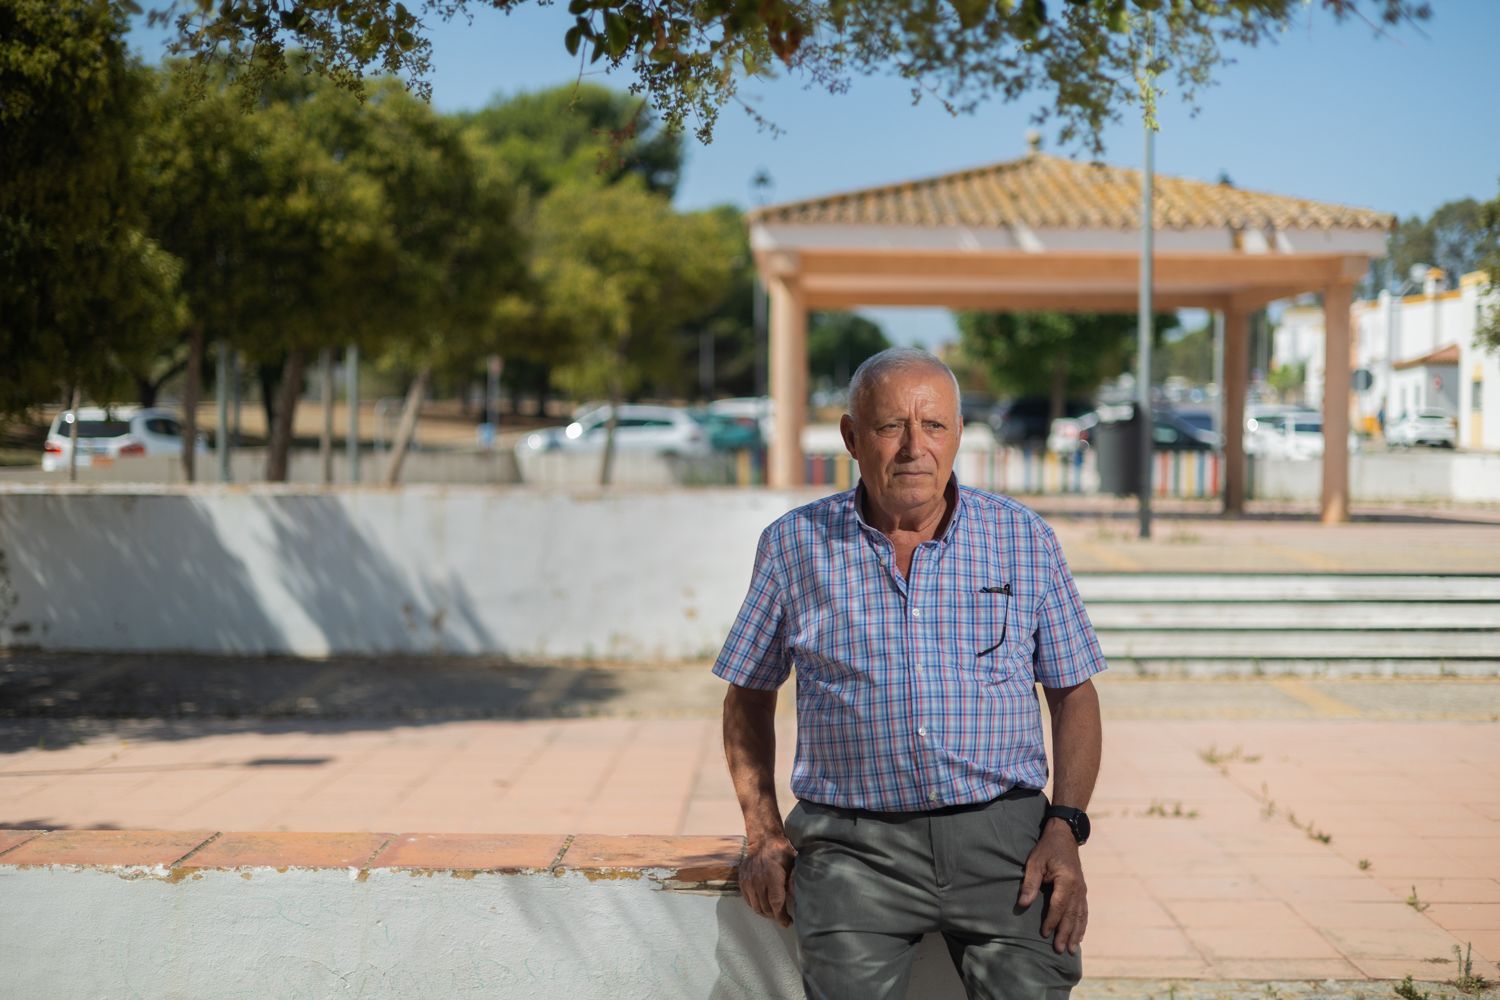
{"x": 913, "y": 440}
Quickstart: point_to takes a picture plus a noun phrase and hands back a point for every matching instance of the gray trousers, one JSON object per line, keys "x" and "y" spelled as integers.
{"x": 867, "y": 887}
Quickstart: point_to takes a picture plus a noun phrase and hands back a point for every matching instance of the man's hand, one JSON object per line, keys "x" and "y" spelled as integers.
{"x": 766, "y": 879}
{"x": 1054, "y": 861}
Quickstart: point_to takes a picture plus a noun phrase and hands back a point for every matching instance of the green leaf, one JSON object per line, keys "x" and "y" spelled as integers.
{"x": 571, "y": 40}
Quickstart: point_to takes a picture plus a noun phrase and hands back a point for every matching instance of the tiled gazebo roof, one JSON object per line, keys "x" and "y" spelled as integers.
{"x": 1049, "y": 192}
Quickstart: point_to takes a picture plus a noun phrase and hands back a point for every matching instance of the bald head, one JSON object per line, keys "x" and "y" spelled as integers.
{"x": 890, "y": 363}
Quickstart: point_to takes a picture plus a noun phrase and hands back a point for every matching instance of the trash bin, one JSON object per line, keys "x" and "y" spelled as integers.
{"x": 1117, "y": 445}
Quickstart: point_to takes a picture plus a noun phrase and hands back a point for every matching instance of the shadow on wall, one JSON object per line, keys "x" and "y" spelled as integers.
{"x": 184, "y": 581}
{"x": 355, "y": 595}
{"x": 193, "y": 584}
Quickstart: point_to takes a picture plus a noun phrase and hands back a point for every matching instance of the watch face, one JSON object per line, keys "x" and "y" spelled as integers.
{"x": 1081, "y": 828}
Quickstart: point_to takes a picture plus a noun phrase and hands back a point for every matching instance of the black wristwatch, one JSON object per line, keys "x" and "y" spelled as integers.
{"x": 1077, "y": 820}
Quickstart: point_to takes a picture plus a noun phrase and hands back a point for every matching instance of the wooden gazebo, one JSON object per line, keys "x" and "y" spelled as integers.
{"x": 1043, "y": 232}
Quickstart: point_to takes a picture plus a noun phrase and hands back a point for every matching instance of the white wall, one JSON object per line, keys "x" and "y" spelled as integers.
{"x": 1419, "y": 474}
{"x": 258, "y": 933}
{"x": 642, "y": 575}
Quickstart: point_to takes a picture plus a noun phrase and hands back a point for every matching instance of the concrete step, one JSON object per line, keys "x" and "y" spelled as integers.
{"x": 1224, "y": 624}
{"x": 1288, "y": 615}
{"x": 1241, "y": 587}
{"x": 1301, "y": 666}
{"x": 1323, "y": 644}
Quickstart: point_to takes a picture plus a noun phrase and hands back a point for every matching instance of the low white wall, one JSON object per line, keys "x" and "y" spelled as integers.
{"x": 1417, "y": 474}
{"x": 248, "y": 465}
{"x": 260, "y": 933}
{"x": 416, "y": 570}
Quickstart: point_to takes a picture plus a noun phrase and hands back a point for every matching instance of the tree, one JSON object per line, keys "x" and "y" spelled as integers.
{"x": 690, "y": 55}
{"x": 579, "y": 132}
{"x": 837, "y": 342}
{"x": 1454, "y": 237}
{"x": 1190, "y": 356}
{"x": 1489, "y": 320}
{"x": 1054, "y": 354}
{"x": 618, "y": 273}
{"x": 83, "y": 292}
{"x": 283, "y": 246}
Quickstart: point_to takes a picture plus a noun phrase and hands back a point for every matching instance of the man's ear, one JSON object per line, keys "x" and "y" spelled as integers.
{"x": 846, "y": 428}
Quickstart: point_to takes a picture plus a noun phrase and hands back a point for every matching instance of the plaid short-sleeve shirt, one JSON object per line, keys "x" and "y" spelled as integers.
{"x": 913, "y": 692}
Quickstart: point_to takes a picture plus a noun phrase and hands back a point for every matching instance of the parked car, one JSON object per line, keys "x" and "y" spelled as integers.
{"x": 730, "y": 433}
{"x": 1266, "y": 426}
{"x": 1026, "y": 422}
{"x": 1169, "y": 431}
{"x": 663, "y": 430}
{"x": 107, "y": 434}
{"x": 1296, "y": 435}
{"x": 758, "y": 408}
{"x": 1431, "y": 427}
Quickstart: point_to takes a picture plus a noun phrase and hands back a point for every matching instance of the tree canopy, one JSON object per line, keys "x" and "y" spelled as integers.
{"x": 1085, "y": 57}
{"x": 1455, "y": 237}
{"x": 1050, "y": 353}
{"x": 84, "y": 293}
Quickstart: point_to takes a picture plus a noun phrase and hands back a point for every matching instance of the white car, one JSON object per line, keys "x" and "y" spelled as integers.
{"x": 1434, "y": 427}
{"x": 105, "y": 435}
{"x": 1297, "y": 435}
{"x": 664, "y": 430}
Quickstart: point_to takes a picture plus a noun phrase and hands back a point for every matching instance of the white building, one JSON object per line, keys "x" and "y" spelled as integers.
{"x": 1298, "y": 340}
{"x": 1423, "y": 354}
{"x": 1421, "y": 351}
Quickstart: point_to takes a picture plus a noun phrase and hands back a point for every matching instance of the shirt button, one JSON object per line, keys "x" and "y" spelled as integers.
{"x": 921, "y": 730}
{"x": 932, "y": 796}
{"x": 916, "y": 612}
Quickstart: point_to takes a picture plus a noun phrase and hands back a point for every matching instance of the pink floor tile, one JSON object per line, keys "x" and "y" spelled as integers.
{"x": 1156, "y": 942}
{"x": 1251, "y": 941}
{"x": 1284, "y": 968}
{"x": 1381, "y": 942}
{"x": 1142, "y": 967}
{"x": 1199, "y": 914}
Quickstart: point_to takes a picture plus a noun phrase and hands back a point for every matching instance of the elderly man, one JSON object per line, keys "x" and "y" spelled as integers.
{"x": 920, "y": 614}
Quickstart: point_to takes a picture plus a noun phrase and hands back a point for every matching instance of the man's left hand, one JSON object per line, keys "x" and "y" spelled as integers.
{"x": 1054, "y": 861}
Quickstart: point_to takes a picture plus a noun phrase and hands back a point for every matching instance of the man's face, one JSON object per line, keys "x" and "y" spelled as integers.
{"x": 905, "y": 439}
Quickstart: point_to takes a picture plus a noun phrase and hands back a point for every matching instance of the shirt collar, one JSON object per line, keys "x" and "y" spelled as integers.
{"x": 954, "y": 494}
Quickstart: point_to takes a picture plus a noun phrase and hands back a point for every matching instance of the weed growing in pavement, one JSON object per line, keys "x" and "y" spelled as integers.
{"x": 1466, "y": 981}
{"x": 1272, "y": 993}
{"x": 1407, "y": 991}
{"x": 1364, "y": 864}
{"x": 1176, "y": 812}
{"x": 1214, "y": 757}
{"x": 1414, "y": 902}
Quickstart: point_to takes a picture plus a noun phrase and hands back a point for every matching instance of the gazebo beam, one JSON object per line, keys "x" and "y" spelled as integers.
{"x": 1002, "y": 301}
{"x": 1218, "y": 270}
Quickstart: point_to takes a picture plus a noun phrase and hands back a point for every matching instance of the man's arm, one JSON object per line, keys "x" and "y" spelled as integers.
{"x": 1077, "y": 737}
{"x": 750, "y": 746}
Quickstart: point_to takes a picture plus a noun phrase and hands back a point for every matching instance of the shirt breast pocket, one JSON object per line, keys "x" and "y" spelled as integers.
{"x": 990, "y": 619}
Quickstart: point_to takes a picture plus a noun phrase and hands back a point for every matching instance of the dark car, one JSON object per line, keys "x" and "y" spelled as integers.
{"x": 1025, "y": 422}
{"x": 1169, "y": 431}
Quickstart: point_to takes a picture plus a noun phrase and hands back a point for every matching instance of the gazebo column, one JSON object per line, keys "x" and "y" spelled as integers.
{"x": 788, "y": 381}
{"x": 1337, "y": 301}
{"x": 1233, "y": 391}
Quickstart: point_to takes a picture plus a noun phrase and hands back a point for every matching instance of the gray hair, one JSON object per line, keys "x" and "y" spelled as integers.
{"x": 889, "y": 362}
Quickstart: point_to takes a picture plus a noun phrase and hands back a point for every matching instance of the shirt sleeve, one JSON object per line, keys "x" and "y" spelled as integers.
{"x": 755, "y": 654}
{"x": 1067, "y": 650}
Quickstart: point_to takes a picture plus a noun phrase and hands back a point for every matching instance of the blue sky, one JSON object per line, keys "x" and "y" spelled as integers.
{"x": 1401, "y": 123}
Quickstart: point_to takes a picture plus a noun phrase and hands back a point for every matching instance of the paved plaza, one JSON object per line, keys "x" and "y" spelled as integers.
{"x": 1285, "y": 830}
